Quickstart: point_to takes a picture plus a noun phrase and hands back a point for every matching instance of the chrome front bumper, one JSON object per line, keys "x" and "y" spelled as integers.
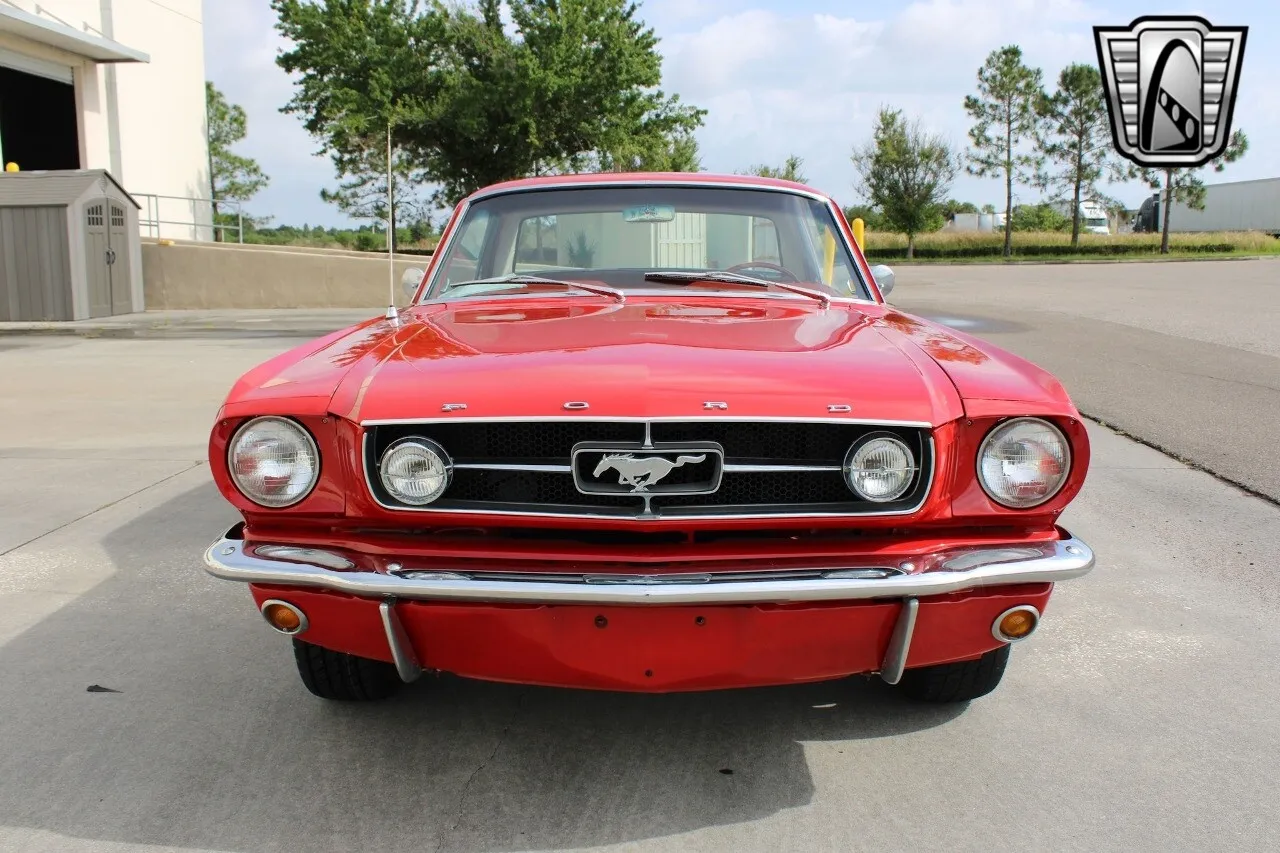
{"x": 954, "y": 571}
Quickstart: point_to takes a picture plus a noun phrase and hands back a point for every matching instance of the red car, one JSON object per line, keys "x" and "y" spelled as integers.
{"x": 649, "y": 432}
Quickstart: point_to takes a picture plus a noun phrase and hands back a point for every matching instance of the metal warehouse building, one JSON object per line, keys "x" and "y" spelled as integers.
{"x": 116, "y": 85}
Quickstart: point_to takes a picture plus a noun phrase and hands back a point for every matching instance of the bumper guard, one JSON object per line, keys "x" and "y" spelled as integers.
{"x": 952, "y": 571}
{"x": 970, "y": 568}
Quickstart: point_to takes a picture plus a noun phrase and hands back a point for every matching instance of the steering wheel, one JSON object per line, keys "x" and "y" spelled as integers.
{"x": 764, "y": 265}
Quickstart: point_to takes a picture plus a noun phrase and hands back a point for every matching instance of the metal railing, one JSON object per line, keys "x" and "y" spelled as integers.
{"x": 150, "y": 219}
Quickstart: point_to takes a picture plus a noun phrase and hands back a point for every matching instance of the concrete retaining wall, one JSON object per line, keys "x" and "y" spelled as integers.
{"x": 189, "y": 275}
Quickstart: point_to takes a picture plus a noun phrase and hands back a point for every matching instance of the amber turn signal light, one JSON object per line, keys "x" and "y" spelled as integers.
{"x": 284, "y": 617}
{"x": 1016, "y": 623}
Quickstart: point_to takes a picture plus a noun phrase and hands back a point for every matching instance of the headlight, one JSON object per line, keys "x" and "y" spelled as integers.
{"x": 879, "y": 468}
{"x": 415, "y": 471}
{"x": 1023, "y": 462}
{"x": 273, "y": 461}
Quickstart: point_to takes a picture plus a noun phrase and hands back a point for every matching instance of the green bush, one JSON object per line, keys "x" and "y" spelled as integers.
{"x": 1039, "y": 217}
{"x": 1034, "y": 250}
{"x": 988, "y": 244}
{"x": 368, "y": 242}
{"x": 871, "y": 218}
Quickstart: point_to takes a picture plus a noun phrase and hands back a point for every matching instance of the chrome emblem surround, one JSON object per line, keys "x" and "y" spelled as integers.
{"x": 1170, "y": 85}
{"x": 619, "y": 468}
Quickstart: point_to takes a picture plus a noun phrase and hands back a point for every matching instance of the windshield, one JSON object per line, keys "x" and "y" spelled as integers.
{"x": 1098, "y": 222}
{"x": 614, "y": 235}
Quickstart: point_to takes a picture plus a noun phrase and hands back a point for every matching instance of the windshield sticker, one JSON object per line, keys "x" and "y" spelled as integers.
{"x": 649, "y": 213}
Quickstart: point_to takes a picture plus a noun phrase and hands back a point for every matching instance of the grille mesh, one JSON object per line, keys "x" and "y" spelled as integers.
{"x": 550, "y": 441}
{"x": 526, "y": 487}
{"x": 768, "y": 441}
{"x": 787, "y": 487}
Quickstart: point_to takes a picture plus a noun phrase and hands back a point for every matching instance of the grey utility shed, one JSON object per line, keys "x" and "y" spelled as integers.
{"x": 69, "y": 246}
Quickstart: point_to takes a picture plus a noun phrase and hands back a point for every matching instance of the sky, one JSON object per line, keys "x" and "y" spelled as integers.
{"x": 782, "y": 77}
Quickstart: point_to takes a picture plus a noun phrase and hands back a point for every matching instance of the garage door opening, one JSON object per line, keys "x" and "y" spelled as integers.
{"x": 38, "y": 128}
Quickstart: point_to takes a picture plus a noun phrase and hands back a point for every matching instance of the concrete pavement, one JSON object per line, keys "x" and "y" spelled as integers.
{"x": 215, "y": 323}
{"x": 1143, "y": 716}
{"x": 1184, "y": 356}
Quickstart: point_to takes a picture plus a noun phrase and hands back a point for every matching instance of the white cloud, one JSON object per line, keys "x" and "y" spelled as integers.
{"x": 783, "y": 82}
{"x": 781, "y": 77}
{"x": 240, "y": 58}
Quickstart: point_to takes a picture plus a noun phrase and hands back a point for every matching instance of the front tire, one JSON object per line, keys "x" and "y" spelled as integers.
{"x": 956, "y": 682}
{"x": 343, "y": 677}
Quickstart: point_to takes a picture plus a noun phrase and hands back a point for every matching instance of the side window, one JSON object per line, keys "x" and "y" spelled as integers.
{"x": 464, "y": 257}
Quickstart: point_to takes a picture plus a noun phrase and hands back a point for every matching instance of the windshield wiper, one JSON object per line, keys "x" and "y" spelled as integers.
{"x": 683, "y": 277}
{"x": 518, "y": 279}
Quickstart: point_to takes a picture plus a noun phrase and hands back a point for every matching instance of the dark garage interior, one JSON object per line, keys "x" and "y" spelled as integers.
{"x": 37, "y": 122}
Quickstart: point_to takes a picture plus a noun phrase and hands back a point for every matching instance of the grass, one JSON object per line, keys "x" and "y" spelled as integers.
{"x": 952, "y": 246}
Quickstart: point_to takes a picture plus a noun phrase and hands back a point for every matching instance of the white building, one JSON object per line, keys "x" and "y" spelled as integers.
{"x": 115, "y": 85}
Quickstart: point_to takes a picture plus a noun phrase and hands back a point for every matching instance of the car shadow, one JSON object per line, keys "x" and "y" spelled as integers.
{"x": 158, "y": 709}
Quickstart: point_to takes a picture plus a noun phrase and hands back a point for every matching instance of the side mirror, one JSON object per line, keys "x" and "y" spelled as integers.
{"x": 410, "y": 280}
{"x": 884, "y": 278}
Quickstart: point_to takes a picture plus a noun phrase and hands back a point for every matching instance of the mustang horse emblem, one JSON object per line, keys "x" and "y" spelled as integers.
{"x": 640, "y": 474}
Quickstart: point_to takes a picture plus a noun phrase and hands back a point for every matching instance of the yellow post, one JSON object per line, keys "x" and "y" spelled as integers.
{"x": 11, "y": 167}
{"x": 859, "y": 233}
{"x": 828, "y": 255}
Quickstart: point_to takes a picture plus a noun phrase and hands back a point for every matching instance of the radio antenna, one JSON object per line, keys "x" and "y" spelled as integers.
{"x": 391, "y": 233}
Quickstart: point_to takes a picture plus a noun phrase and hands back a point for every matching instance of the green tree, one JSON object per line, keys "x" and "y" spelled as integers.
{"x": 871, "y": 218}
{"x": 988, "y": 208}
{"x": 677, "y": 152}
{"x": 1075, "y": 137}
{"x": 906, "y": 173}
{"x": 681, "y": 153}
{"x": 362, "y": 191}
{"x": 571, "y": 84}
{"x": 232, "y": 177}
{"x": 361, "y": 66}
{"x": 1187, "y": 185}
{"x": 790, "y": 170}
{"x": 562, "y": 84}
{"x": 951, "y": 207}
{"x": 1004, "y": 116}
{"x": 1039, "y": 217}
{"x": 366, "y": 78}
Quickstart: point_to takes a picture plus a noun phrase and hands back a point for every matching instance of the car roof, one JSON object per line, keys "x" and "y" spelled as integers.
{"x": 652, "y": 178}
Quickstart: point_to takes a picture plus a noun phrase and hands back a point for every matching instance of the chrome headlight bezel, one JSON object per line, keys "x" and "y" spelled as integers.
{"x": 422, "y": 444}
{"x": 308, "y": 444}
{"x": 912, "y": 468}
{"x": 1000, "y": 430}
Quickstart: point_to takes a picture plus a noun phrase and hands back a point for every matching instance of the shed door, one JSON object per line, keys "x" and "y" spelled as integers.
{"x": 118, "y": 261}
{"x": 682, "y": 242}
{"x": 97, "y": 247}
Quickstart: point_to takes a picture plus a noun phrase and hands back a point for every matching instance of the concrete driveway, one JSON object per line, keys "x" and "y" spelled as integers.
{"x": 1184, "y": 355}
{"x": 146, "y": 707}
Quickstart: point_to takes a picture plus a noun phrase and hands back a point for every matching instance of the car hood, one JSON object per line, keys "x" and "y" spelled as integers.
{"x": 982, "y": 372}
{"x": 688, "y": 357}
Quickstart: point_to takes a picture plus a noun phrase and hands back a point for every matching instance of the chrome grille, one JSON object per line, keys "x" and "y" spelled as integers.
{"x": 782, "y": 468}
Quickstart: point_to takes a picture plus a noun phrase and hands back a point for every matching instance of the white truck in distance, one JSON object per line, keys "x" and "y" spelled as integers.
{"x": 1093, "y": 216}
{"x": 1236, "y": 206}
